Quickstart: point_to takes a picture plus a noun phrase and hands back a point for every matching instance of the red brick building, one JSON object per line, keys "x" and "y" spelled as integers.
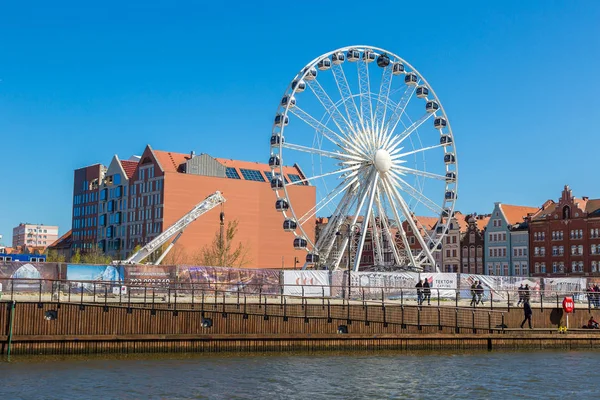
{"x": 564, "y": 238}
{"x": 139, "y": 201}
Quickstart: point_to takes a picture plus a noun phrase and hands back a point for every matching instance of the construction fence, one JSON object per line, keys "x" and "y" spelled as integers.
{"x": 18, "y": 277}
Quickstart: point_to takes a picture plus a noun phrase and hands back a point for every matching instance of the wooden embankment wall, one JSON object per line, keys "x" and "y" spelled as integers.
{"x": 97, "y": 328}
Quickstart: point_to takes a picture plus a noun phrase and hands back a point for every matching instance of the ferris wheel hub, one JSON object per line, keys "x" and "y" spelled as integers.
{"x": 383, "y": 161}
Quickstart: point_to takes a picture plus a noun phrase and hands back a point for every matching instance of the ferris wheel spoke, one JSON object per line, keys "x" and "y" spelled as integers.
{"x": 341, "y": 188}
{"x": 331, "y": 108}
{"x": 395, "y": 142}
{"x": 388, "y": 192}
{"x": 369, "y": 211}
{"x": 411, "y": 222}
{"x": 406, "y": 170}
{"x": 364, "y": 84}
{"x": 346, "y": 94}
{"x": 415, "y": 194}
{"x": 392, "y": 122}
{"x": 352, "y": 170}
{"x": 383, "y": 99}
{"x": 377, "y": 229}
{"x": 396, "y": 156}
{"x": 332, "y": 136}
{"x": 329, "y": 154}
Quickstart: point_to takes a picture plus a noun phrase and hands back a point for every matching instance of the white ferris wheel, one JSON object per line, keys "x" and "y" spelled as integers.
{"x": 382, "y": 153}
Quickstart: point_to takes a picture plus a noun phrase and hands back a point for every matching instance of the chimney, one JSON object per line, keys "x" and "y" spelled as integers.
{"x": 585, "y": 198}
{"x": 192, "y": 154}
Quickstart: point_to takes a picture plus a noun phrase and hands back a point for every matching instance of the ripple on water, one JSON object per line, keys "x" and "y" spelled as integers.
{"x": 358, "y": 376}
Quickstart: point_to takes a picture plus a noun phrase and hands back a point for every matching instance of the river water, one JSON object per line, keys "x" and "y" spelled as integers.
{"x": 493, "y": 375}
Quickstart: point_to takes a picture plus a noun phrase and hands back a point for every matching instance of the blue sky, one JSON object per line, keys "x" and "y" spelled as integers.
{"x": 80, "y": 83}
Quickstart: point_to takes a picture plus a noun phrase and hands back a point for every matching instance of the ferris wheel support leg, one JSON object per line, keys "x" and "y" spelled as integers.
{"x": 414, "y": 227}
{"x": 363, "y": 235}
{"x": 411, "y": 257}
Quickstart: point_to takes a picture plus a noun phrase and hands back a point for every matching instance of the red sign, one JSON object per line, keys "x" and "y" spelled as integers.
{"x": 568, "y": 304}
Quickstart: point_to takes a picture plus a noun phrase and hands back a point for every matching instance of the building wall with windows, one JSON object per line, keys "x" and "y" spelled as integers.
{"x": 506, "y": 231}
{"x": 472, "y": 244}
{"x": 519, "y": 241}
{"x": 86, "y": 183}
{"x": 113, "y": 207}
{"x": 34, "y": 235}
{"x": 565, "y": 237}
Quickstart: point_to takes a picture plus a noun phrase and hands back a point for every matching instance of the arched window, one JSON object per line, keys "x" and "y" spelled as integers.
{"x": 472, "y": 252}
{"x": 566, "y": 212}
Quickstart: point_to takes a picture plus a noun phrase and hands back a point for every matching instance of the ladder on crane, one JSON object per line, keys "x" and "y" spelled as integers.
{"x": 174, "y": 230}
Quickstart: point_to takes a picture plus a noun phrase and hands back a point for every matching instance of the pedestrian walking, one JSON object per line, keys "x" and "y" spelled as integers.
{"x": 528, "y": 313}
{"x": 526, "y": 293}
{"x": 479, "y": 291}
{"x": 521, "y": 294}
{"x": 473, "y": 294}
{"x": 427, "y": 292}
{"x": 419, "y": 287}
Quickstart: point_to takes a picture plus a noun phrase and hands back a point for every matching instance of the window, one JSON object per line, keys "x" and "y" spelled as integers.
{"x": 580, "y": 249}
{"x": 537, "y": 268}
{"x": 295, "y": 178}
{"x": 574, "y": 266}
{"x": 554, "y": 268}
{"x": 580, "y": 266}
{"x": 465, "y": 252}
{"x": 231, "y": 172}
{"x": 543, "y": 268}
{"x": 412, "y": 240}
{"x": 594, "y": 266}
{"x": 252, "y": 175}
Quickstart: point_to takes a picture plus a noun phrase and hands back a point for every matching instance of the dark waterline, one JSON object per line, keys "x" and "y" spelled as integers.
{"x": 360, "y": 375}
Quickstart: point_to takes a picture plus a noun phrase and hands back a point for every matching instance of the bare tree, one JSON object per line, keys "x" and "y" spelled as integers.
{"x": 222, "y": 253}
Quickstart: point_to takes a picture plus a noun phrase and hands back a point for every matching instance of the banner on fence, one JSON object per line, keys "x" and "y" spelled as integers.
{"x": 499, "y": 288}
{"x": 390, "y": 283}
{"x": 442, "y": 284}
{"x": 306, "y": 283}
{"x": 156, "y": 276}
{"x": 564, "y": 286}
{"x": 25, "y": 271}
{"x": 103, "y": 277}
{"x": 249, "y": 281}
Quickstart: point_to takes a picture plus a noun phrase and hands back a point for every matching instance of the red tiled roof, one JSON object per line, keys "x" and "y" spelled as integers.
{"x": 170, "y": 161}
{"x": 515, "y": 214}
{"x": 64, "y": 241}
{"x": 129, "y": 167}
{"x": 482, "y": 223}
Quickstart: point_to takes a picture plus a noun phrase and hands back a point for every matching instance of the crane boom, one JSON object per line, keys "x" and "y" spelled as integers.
{"x": 175, "y": 230}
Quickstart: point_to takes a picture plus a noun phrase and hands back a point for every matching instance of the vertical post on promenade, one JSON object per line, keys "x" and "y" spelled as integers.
{"x": 12, "y": 306}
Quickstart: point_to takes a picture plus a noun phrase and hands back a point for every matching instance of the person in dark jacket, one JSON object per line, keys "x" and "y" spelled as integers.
{"x": 426, "y": 292}
{"x": 528, "y": 313}
{"x": 521, "y": 292}
{"x": 474, "y": 294}
{"x": 479, "y": 291}
{"x": 419, "y": 286}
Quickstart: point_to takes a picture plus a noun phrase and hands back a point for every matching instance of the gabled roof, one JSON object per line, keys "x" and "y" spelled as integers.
{"x": 63, "y": 242}
{"x": 516, "y": 214}
{"x": 463, "y": 225}
{"x": 129, "y": 167}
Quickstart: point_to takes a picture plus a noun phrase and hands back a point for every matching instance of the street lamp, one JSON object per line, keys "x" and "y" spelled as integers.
{"x": 350, "y": 231}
